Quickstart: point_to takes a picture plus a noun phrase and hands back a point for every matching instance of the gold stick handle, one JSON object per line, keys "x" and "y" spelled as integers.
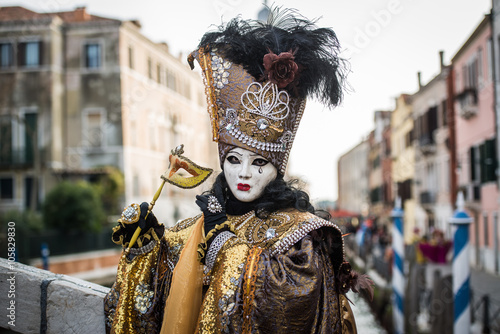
{"x": 150, "y": 208}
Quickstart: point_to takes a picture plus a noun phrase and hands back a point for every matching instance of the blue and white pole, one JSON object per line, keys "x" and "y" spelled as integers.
{"x": 461, "y": 268}
{"x": 398, "y": 277}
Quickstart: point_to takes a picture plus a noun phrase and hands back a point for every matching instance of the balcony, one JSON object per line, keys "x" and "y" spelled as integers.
{"x": 427, "y": 144}
{"x": 467, "y": 103}
{"x": 427, "y": 197}
{"x": 18, "y": 158}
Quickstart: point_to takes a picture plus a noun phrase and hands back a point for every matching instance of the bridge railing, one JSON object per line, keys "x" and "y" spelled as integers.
{"x": 37, "y": 301}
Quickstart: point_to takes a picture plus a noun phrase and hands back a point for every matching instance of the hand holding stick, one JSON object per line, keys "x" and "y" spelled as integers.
{"x": 176, "y": 161}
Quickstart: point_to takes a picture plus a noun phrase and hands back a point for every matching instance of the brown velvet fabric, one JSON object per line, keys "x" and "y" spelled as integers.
{"x": 294, "y": 293}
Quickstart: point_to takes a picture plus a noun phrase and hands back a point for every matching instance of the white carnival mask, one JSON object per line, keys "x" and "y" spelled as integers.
{"x": 247, "y": 174}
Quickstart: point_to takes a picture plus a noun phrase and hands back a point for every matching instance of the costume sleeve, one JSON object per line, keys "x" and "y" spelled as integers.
{"x": 293, "y": 292}
{"x": 136, "y": 301}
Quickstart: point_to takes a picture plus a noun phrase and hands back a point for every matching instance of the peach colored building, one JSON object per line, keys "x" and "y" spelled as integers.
{"x": 79, "y": 91}
{"x": 476, "y": 142}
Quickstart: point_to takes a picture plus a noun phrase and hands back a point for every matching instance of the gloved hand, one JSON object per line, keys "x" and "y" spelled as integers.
{"x": 145, "y": 223}
{"x": 131, "y": 219}
{"x": 213, "y": 208}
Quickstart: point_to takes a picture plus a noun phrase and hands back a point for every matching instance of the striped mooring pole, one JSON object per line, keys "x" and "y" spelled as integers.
{"x": 398, "y": 277}
{"x": 461, "y": 268}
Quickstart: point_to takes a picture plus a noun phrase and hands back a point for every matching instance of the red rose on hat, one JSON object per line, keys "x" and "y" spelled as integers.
{"x": 280, "y": 69}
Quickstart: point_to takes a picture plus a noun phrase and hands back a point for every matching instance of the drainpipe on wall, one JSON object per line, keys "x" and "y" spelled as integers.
{"x": 495, "y": 50}
{"x": 494, "y": 53}
{"x": 450, "y": 113}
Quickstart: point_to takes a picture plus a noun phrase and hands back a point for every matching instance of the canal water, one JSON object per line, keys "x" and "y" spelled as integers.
{"x": 365, "y": 320}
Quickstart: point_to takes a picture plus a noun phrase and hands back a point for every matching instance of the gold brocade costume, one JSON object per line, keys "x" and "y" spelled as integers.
{"x": 276, "y": 276}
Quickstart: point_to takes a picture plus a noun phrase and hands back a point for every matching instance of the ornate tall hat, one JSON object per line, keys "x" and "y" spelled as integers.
{"x": 257, "y": 76}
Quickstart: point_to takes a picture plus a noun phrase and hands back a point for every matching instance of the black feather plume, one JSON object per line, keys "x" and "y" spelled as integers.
{"x": 321, "y": 71}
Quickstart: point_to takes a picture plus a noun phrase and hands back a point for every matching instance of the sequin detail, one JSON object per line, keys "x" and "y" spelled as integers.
{"x": 219, "y": 70}
{"x": 131, "y": 214}
{"x": 226, "y": 305}
{"x": 143, "y": 298}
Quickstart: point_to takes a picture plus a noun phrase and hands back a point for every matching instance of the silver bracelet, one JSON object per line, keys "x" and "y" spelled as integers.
{"x": 215, "y": 247}
{"x": 142, "y": 250}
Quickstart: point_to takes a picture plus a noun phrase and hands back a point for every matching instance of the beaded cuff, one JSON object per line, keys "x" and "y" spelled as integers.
{"x": 204, "y": 246}
{"x": 142, "y": 250}
{"x": 215, "y": 247}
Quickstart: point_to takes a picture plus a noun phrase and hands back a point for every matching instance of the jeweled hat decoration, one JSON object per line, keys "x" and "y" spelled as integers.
{"x": 257, "y": 76}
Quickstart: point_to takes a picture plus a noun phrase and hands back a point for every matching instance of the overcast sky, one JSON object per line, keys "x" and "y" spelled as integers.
{"x": 387, "y": 42}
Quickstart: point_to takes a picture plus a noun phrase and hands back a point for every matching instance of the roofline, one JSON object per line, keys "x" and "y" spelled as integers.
{"x": 479, "y": 29}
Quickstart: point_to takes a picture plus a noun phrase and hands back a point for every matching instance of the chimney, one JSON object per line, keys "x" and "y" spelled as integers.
{"x": 441, "y": 59}
{"x": 81, "y": 14}
{"x": 419, "y": 76}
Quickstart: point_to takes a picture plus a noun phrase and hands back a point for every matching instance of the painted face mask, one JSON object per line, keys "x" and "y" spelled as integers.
{"x": 247, "y": 174}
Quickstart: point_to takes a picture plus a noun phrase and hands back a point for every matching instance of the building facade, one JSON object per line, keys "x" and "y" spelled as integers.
{"x": 432, "y": 154}
{"x": 353, "y": 191}
{"x": 403, "y": 157}
{"x": 379, "y": 162}
{"x": 79, "y": 92}
{"x": 495, "y": 69}
{"x": 476, "y": 141}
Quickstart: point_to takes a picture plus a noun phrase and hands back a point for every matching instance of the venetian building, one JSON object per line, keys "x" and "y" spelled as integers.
{"x": 79, "y": 92}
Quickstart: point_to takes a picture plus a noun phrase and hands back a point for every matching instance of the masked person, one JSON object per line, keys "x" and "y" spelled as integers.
{"x": 263, "y": 262}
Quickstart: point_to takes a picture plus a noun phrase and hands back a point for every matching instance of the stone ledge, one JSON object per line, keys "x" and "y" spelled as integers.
{"x": 61, "y": 303}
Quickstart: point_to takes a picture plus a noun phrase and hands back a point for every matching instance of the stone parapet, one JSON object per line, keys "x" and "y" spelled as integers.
{"x": 33, "y": 300}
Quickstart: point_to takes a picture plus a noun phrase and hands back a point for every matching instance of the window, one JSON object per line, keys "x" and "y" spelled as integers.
{"x": 171, "y": 81}
{"x": 6, "y": 188}
{"x": 488, "y": 160}
{"x": 404, "y": 190}
{"x": 479, "y": 65}
{"x": 6, "y": 140}
{"x": 475, "y": 168}
{"x": 19, "y": 137}
{"x": 408, "y": 138}
{"x": 489, "y": 57}
{"x": 376, "y": 195}
{"x": 94, "y": 128}
{"x": 130, "y": 57}
{"x": 150, "y": 68}
{"x": 29, "y": 54}
{"x": 31, "y": 134}
{"x": 444, "y": 113}
{"x": 472, "y": 73}
{"x": 486, "y": 232}
{"x": 6, "y": 55}
{"x": 158, "y": 73}
{"x": 92, "y": 55}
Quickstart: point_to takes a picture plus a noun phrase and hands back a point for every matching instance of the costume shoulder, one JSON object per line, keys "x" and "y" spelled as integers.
{"x": 282, "y": 229}
{"x": 301, "y": 224}
{"x": 179, "y": 233}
